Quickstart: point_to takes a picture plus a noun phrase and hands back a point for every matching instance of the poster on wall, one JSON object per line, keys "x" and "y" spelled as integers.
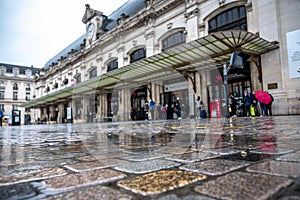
{"x": 293, "y": 51}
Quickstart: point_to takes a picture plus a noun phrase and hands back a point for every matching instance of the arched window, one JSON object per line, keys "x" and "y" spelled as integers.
{"x": 15, "y": 87}
{"x": 137, "y": 55}
{"x": 2, "y": 85}
{"x": 66, "y": 81}
{"x": 78, "y": 78}
{"x": 232, "y": 19}
{"x": 27, "y": 87}
{"x": 173, "y": 40}
{"x": 93, "y": 73}
{"x": 112, "y": 65}
{"x": 55, "y": 86}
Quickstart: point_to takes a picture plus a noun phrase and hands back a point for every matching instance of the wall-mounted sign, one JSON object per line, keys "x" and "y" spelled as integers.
{"x": 176, "y": 86}
{"x": 293, "y": 51}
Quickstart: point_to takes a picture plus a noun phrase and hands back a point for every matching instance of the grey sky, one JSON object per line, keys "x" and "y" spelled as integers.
{"x": 33, "y": 31}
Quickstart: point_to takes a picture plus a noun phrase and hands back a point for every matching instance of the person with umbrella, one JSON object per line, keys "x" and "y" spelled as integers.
{"x": 264, "y": 99}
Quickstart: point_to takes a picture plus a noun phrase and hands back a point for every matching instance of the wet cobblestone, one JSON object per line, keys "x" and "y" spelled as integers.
{"x": 239, "y": 158}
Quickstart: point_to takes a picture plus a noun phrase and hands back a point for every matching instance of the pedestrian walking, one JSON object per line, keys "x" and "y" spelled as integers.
{"x": 178, "y": 108}
{"x": 152, "y": 106}
{"x": 146, "y": 110}
{"x": 232, "y": 106}
{"x": 164, "y": 111}
{"x": 1, "y": 117}
{"x": 198, "y": 101}
{"x": 247, "y": 103}
{"x": 253, "y": 108}
{"x": 202, "y": 110}
{"x": 269, "y": 106}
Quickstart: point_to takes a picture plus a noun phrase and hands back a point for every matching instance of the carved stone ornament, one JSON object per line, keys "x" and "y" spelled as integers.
{"x": 90, "y": 13}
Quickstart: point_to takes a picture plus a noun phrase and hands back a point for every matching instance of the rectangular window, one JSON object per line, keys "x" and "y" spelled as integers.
{"x": 2, "y": 72}
{"x": 2, "y": 107}
{"x": 14, "y": 107}
{"x": 27, "y": 96}
{"x": 2, "y": 95}
{"x": 27, "y": 110}
{"x": 15, "y": 96}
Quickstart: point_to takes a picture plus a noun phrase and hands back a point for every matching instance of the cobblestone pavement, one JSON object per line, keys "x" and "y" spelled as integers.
{"x": 239, "y": 158}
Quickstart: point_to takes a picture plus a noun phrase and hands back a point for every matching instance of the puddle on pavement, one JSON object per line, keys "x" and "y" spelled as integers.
{"x": 247, "y": 156}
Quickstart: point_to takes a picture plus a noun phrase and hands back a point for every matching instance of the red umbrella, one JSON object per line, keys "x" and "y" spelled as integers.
{"x": 263, "y": 97}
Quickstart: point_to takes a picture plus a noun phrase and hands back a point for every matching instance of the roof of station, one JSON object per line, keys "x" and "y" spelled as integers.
{"x": 202, "y": 54}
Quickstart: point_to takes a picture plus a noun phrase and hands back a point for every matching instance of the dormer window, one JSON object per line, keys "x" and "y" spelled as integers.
{"x": 28, "y": 73}
{"x": 16, "y": 72}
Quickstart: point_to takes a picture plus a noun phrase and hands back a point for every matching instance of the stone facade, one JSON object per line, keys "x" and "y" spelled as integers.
{"x": 110, "y": 39}
{"x": 16, "y": 88}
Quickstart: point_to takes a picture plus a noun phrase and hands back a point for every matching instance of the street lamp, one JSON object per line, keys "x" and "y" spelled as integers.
{"x": 237, "y": 60}
{"x": 225, "y": 71}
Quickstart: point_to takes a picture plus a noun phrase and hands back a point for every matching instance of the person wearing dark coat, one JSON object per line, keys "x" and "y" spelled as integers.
{"x": 233, "y": 105}
{"x": 247, "y": 103}
{"x": 178, "y": 107}
{"x": 269, "y": 106}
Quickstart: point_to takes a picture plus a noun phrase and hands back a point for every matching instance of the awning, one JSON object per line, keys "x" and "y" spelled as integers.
{"x": 202, "y": 54}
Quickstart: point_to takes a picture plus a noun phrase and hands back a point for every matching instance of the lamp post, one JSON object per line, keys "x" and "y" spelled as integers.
{"x": 225, "y": 70}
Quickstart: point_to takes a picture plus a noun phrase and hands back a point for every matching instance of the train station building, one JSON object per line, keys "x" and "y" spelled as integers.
{"x": 164, "y": 50}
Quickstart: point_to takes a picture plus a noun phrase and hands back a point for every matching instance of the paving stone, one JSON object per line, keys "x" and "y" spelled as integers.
{"x": 214, "y": 167}
{"x": 16, "y": 162}
{"x": 243, "y": 185}
{"x": 272, "y": 151}
{"x": 287, "y": 169}
{"x": 223, "y": 151}
{"x": 145, "y": 156}
{"x": 192, "y": 157}
{"x": 94, "y": 192}
{"x": 176, "y": 150}
{"x": 104, "y": 156}
{"x": 18, "y": 191}
{"x": 290, "y": 198}
{"x": 293, "y": 157}
{"x": 86, "y": 166}
{"x": 146, "y": 166}
{"x": 160, "y": 181}
{"x": 31, "y": 175}
{"x": 185, "y": 197}
{"x": 88, "y": 178}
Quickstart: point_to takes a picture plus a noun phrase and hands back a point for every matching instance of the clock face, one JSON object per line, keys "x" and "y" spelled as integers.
{"x": 90, "y": 31}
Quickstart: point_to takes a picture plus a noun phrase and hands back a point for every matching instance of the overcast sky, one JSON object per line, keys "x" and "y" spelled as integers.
{"x": 34, "y": 31}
